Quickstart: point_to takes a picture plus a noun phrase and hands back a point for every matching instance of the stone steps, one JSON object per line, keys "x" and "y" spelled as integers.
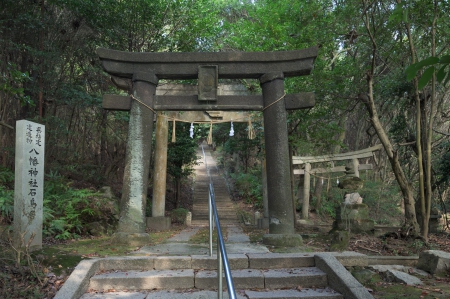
{"x": 225, "y": 209}
{"x": 255, "y": 276}
{"x": 207, "y": 279}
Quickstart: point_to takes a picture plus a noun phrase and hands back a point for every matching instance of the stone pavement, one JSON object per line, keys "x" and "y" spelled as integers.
{"x": 237, "y": 242}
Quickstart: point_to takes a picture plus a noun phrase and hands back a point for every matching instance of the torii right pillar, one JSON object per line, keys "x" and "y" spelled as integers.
{"x": 281, "y": 218}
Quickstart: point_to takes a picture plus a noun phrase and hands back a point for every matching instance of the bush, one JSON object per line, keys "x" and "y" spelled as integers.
{"x": 249, "y": 188}
{"x": 179, "y": 215}
{"x": 68, "y": 210}
{"x": 6, "y": 195}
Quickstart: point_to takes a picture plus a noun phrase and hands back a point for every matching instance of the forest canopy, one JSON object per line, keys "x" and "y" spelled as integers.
{"x": 381, "y": 77}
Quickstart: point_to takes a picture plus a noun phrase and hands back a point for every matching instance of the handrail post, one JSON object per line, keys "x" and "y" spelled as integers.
{"x": 219, "y": 271}
{"x": 210, "y": 212}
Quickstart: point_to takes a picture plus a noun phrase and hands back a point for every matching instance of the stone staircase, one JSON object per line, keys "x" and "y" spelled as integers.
{"x": 225, "y": 209}
{"x": 255, "y": 276}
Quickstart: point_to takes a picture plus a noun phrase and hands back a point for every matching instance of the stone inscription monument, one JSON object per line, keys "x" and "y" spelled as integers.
{"x": 29, "y": 184}
{"x": 139, "y": 73}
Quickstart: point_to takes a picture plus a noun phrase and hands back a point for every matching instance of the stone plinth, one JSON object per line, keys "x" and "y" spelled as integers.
{"x": 159, "y": 223}
{"x": 354, "y": 217}
{"x": 283, "y": 240}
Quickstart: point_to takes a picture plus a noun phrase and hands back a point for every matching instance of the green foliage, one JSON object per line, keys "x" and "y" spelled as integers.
{"x": 6, "y": 205}
{"x": 68, "y": 210}
{"x": 179, "y": 215}
{"x": 249, "y": 188}
{"x": 6, "y": 195}
{"x": 181, "y": 155}
{"x": 433, "y": 64}
{"x": 11, "y": 83}
{"x": 383, "y": 201}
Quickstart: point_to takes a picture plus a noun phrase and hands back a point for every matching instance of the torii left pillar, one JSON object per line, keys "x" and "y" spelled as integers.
{"x": 132, "y": 221}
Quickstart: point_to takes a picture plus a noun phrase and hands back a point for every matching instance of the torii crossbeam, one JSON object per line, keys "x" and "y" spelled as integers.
{"x": 140, "y": 72}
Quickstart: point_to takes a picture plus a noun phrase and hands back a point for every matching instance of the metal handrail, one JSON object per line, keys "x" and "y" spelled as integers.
{"x": 222, "y": 258}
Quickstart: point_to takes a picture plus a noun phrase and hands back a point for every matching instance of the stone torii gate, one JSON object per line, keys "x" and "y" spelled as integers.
{"x": 139, "y": 73}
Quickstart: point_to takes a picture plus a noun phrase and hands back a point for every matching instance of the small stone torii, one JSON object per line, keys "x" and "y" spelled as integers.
{"x": 139, "y": 73}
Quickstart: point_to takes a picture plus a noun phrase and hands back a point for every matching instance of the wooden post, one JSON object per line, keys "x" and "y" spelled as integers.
{"x": 306, "y": 191}
{"x": 160, "y": 169}
{"x": 355, "y": 164}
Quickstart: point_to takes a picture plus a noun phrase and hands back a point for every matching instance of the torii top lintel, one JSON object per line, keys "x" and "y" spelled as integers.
{"x": 231, "y": 65}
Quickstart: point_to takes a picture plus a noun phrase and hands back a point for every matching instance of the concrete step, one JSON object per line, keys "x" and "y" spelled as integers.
{"x": 142, "y": 280}
{"x": 315, "y": 293}
{"x": 207, "y": 279}
{"x": 240, "y": 294}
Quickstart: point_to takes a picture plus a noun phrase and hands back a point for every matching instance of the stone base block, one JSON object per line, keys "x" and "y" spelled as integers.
{"x": 159, "y": 223}
{"x": 263, "y": 223}
{"x": 132, "y": 239}
{"x": 355, "y": 226}
{"x": 283, "y": 240}
{"x": 339, "y": 241}
{"x": 434, "y": 261}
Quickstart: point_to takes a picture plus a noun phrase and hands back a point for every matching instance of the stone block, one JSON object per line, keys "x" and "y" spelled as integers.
{"x": 352, "y": 212}
{"x": 292, "y": 277}
{"x": 340, "y": 240}
{"x": 248, "y": 278}
{"x": 351, "y": 258}
{"x": 172, "y": 262}
{"x": 235, "y": 260}
{"x": 283, "y": 240}
{"x": 401, "y": 277}
{"x": 280, "y": 260}
{"x": 160, "y": 223}
{"x": 128, "y": 263}
{"x": 143, "y": 280}
{"x": 434, "y": 261}
{"x": 339, "y": 278}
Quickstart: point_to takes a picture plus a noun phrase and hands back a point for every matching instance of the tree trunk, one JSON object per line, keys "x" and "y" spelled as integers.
{"x": 411, "y": 224}
{"x": 318, "y": 193}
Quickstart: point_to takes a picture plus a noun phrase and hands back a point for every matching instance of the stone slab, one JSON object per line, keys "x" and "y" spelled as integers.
{"x": 143, "y": 280}
{"x": 188, "y": 294}
{"x": 78, "y": 281}
{"x": 280, "y": 260}
{"x": 236, "y": 235}
{"x": 293, "y": 277}
{"x": 402, "y": 277}
{"x": 128, "y": 263}
{"x": 406, "y": 269}
{"x": 393, "y": 260}
{"x": 172, "y": 262}
{"x": 184, "y": 235}
{"x": 159, "y": 223}
{"x": 236, "y": 261}
{"x": 351, "y": 258}
{"x": 247, "y": 278}
{"x": 288, "y": 294}
{"x": 173, "y": 249}
{"x": 434, "y": 261}
{"x": 116, "y": 295}
{"x": 339, "y": 278}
